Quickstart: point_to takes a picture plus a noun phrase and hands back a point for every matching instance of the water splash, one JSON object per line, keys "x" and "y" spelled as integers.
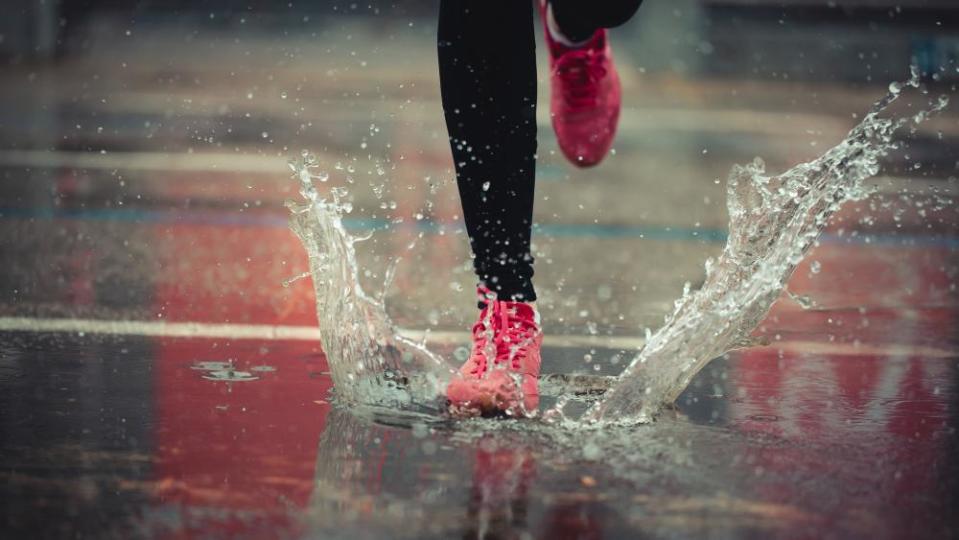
{"x": 773, "y": 221}
{"x": 370, "y": 362}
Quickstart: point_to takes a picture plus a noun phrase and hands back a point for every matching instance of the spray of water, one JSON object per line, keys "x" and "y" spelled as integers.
{"x": 370, "y": 362}
{"x": 773, "y": 221}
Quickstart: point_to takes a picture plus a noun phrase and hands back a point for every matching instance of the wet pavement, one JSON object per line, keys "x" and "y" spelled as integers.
{"x": 122, "y": 436}
{"x": 185, "y": 393}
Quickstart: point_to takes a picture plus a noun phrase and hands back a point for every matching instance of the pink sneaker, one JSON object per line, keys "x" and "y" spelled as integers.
{"x": 585, "y": 96}
{"x": 501, "y": 374}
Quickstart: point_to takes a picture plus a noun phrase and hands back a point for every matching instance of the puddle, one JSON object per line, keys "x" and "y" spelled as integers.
{"x": 225, "y": 371}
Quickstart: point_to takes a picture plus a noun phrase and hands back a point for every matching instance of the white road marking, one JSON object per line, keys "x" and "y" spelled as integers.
{"x": 265, "y": 331}
{"x": 161, "y": 328}
{"x": 310, "y": 333}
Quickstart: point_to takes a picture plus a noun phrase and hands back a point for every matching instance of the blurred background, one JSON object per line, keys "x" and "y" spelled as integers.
{"x": 849, "y": 40}
{"x": 161, "y": 129}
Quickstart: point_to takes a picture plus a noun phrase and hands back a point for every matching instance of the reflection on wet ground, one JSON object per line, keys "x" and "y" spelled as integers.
{"x": 191, "y": 399}
{"x": 108, "y": 436}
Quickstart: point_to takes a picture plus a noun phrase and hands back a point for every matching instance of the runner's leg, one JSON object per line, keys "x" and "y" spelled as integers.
{"x": 487, "y": 62}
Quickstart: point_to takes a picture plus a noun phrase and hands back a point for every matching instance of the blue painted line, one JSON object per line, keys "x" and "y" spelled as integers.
{"x": 631, "y": 231}
{"x": 131, "y": 215}
{"x": 559, "y": 230}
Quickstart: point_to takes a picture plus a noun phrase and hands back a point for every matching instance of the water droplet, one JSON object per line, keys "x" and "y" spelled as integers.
{"x": 604, "y": 292}
{"x": 591, "y": 451}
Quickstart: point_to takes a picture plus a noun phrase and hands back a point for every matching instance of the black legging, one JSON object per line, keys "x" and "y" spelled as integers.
{"x": 487, "y": 62}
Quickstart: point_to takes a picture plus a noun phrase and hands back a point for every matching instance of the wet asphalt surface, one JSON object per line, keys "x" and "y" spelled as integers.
{"x": 152, "y": 193}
